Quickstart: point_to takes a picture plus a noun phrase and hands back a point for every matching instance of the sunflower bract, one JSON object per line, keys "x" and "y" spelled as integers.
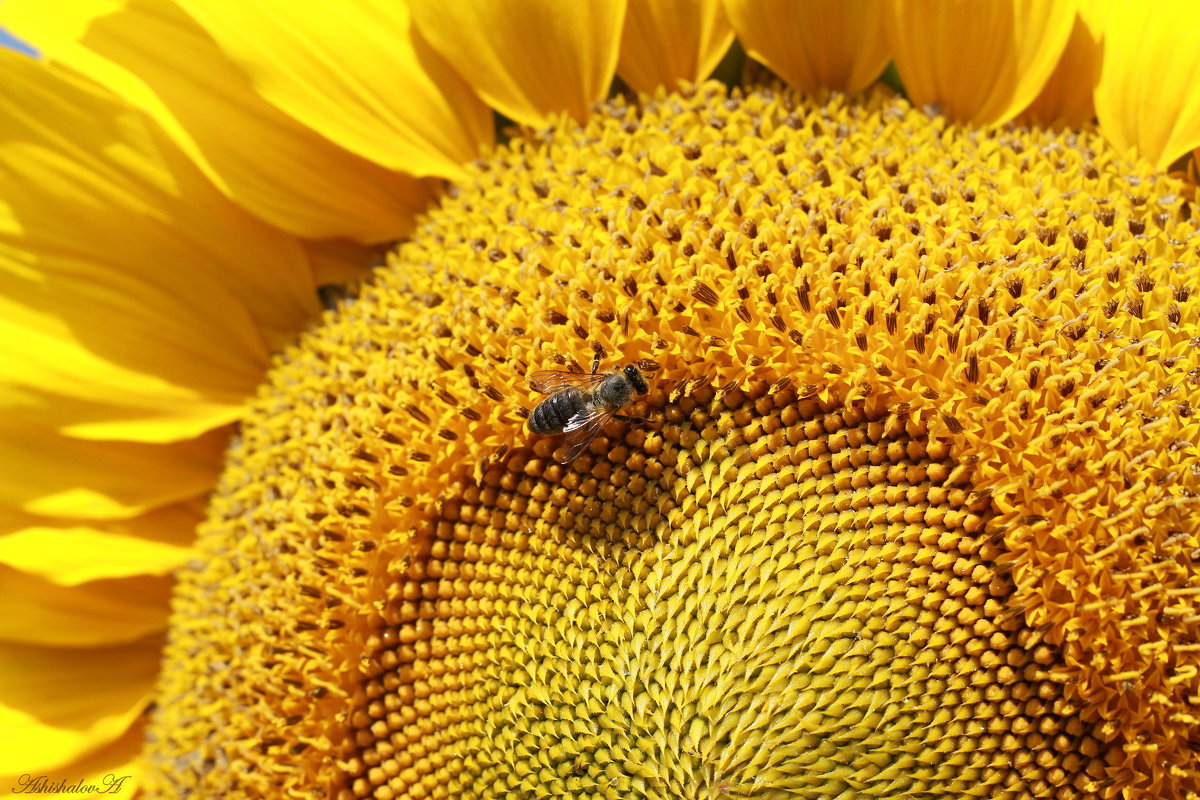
{"x": 913, "y": 515}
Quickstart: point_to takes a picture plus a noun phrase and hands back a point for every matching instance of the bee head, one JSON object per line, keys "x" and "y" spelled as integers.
{"x": 634, "y": 375}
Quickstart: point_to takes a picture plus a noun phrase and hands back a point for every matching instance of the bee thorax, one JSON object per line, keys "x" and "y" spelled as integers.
{"x": 614, "y": 392}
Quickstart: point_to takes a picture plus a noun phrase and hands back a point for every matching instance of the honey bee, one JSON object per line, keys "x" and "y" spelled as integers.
{"x": 579, "y": 403}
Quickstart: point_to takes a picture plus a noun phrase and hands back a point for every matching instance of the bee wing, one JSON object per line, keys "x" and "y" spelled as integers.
{"x": 582, "y": 429}
{"x": 549, "y": 381}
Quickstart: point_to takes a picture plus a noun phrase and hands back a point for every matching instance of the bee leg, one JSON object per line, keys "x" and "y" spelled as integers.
{"x": 630, "y": 420}
{"x": 596, "y": 360}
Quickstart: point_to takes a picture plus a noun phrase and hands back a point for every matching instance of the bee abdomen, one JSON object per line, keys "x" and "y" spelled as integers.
{"x": 552, "y": 414}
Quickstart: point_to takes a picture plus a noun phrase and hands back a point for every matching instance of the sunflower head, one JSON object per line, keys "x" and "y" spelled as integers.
{"x": 907, "y": 515}
{"x": 907, "y": 509}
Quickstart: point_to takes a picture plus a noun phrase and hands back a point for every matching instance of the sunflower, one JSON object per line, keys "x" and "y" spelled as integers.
{"x": 909, "y": 508}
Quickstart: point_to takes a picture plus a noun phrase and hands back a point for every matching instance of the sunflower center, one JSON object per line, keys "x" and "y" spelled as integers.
{"x": 857, "y": 548}
{"x": 803, "y": 602}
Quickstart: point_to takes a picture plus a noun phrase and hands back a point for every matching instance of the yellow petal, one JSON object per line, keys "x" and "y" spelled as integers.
{"x": 666, "y": 41}
{"x": 36, "y": 611}
{"x": 73, "y": 555}
{"x": 340, "y": 261}
{"x": 157, "y": 58}
{"x": 356, "y": 72}
{"x": 1066, "y": 99}
{"x": 12, "y": 43}
{"x": 1148, "y": 97}
{"x": 115, "y": 225}
{"x": 151, "y": 544}
{"x": 52, "y": 475}
{"x": 981, "y": 61}
{"x": 150, "y": 410}
{"x": 60, "y": 703}
{"x": 532, "y": 59}
{"x": 813, "y": 44}
{"x": 114, "y": 769}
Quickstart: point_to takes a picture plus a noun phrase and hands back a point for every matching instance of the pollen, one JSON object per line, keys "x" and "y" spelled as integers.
{"x": 912, "y": 512}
